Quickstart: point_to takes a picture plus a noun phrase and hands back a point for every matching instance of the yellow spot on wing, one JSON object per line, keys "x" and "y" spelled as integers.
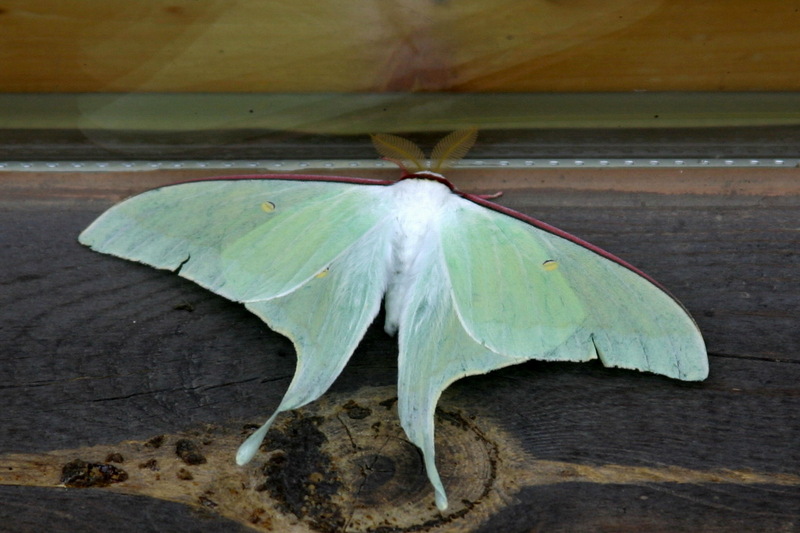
{"x": 323, "y": 273}
{"x": 268, "y": 207}
{"x": 550, "y": 265}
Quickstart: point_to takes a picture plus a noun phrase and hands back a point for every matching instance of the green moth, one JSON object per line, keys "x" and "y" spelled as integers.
{"x": 468, "y": 286}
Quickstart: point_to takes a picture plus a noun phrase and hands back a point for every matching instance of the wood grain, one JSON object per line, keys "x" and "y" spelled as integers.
{"x": 101, "y": 352}
{"x": 338, "y": 46}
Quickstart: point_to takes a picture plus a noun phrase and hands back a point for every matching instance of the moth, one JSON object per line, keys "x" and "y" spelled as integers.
{"x": 468, "y": 286}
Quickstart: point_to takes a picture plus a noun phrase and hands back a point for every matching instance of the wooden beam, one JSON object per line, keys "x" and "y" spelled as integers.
{"x": 101, "y": 355}
{"x": 341, "y": 46}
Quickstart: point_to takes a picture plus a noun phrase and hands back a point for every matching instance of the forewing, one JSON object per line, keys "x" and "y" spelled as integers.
{"x": 246, "y": 239}
{"x": 505, "y": 293}
{"x": 527, "y": 292}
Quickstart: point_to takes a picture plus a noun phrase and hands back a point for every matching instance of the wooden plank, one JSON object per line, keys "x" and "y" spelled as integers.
{"x": 99, "y": 353}
{"x": 60, "y": 511}
{"x": 514, "y": 45}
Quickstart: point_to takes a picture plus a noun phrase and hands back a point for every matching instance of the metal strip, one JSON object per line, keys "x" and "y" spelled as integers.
{"x": 272, "y": 166}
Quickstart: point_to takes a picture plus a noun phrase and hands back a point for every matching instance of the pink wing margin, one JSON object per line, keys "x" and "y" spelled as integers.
{"x": 288, "y": 177}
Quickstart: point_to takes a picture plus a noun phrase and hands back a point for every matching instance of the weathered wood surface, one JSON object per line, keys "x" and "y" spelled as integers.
{"x": 96, "y": 352}
{"x": 306, "y": 45}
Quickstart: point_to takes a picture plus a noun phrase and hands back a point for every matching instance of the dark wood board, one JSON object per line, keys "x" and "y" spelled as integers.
{"x": 99, "y": 351}
{"x": 62, "y": 510}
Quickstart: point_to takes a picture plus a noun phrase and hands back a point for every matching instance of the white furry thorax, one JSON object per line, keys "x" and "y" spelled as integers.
{"x": 419, "y": 206}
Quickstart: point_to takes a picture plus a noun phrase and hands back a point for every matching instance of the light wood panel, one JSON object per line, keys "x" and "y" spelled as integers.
{"x": 403, "y": 45}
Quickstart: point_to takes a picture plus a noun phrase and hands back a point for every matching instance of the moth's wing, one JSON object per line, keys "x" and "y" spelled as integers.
{"x": 245, "y": 239}
{"x": 326, "y": 318}
{"x": 524, "y": 289}
{"x": 435, "y": 350}
{"x": 307, "y": 257}
{"x": 494, "y": 290}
